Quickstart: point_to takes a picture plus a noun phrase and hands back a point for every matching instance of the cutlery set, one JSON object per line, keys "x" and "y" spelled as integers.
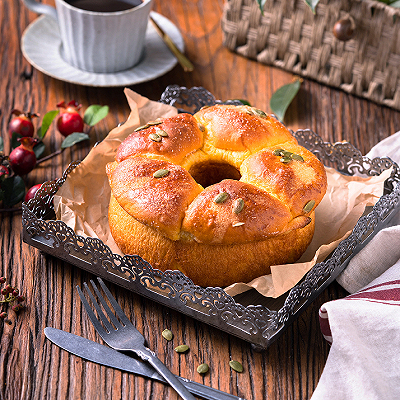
{"x": 121, "y": 335}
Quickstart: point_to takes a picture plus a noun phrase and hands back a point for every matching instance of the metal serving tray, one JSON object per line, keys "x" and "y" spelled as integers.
{"x": 250, "y": 316}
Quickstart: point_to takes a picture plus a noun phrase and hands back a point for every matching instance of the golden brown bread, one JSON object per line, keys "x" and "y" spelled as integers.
{"x": 221, "y": 195}
{"x": 262, "y": 215}
{"x": 184, "y": 136}
{"x": 206, "y": 264}
{"x": 241, "y": 128}
{"x": 157, "y": 202}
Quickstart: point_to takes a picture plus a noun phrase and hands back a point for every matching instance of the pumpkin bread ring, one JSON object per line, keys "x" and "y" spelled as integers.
{"x": 220, "y": 195}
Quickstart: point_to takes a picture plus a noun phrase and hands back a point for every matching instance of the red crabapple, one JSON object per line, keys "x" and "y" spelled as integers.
{"x": 30, "y": 194}
{"x": 21, "y": 124}
{"x": 70, "y": 121}
{"x": 23, "y": 159}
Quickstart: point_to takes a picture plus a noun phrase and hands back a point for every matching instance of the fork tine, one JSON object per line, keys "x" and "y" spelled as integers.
{"x": 110, "y": 314}
{"x": 115, "y": 304}
{"x": 91, "y": 314}
{"x": 100, "y": 312}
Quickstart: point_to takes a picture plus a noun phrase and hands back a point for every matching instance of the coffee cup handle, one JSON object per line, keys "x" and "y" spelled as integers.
{"x": 40, "y": 8}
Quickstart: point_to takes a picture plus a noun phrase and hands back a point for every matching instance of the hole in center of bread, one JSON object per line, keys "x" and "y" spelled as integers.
{"x": 210, "y": 172}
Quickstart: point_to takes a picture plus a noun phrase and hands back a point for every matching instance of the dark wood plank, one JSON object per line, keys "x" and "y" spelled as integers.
{"x": 30, "y": 366}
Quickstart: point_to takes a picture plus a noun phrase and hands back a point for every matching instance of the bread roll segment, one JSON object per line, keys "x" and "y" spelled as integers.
{"x": 213, "y": 223}
{"x": 159, "y": 202}
{"x": 184, "y": 137}
{"x": 240, "y": 128}
{"x": 221, "y": 195}
{"x": 206, "y": 264}
{"x": 293, "y": 183}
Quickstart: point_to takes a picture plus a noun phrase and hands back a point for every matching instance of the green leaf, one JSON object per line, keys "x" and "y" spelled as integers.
{"x": 13, "y": 190}
{"x": 281, "y": 99}
{"x": 14, "y": 140}
{"x": 1, "y": 144}
{"x": 261, "y": 4}
{"x": 95, "y": 114}
{"x": 312, "y": 4}
{"x": 74, "y": 138}
{"x": 39, "y": 149}
{"x": 46, "y": 122}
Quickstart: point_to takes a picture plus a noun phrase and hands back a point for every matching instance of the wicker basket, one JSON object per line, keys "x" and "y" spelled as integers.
{"x": 288, "y": 35}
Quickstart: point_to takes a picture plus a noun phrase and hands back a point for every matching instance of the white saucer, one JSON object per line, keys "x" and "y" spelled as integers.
{"x": 41, "y": 46}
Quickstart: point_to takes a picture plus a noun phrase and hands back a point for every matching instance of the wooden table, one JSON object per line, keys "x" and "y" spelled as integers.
{"x": 33, "y": 368}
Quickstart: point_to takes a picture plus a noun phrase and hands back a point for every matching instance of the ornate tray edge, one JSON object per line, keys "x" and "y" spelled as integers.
{"x": 254, "y": 323}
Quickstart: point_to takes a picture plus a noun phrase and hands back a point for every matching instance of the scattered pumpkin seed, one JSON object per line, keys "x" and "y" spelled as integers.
{"x": 140, "y": 128}
{"x": 221, "y": 197}
{"x": 259, "y": 113}
{"x": 297, "y": 157}
{"x": 236, "y": 366}
{"x": 203, "y": 368}
{"x": 182, "y": 348}
{"x": 202, "y": 128}
{"x": 278, "y": 152}
{"x": 238, "y": 205}
{"x": 161, "y": 132}
{"x": 161, "y": 173}
{"x": 309, "y": 206}
{"x": 286, "y": 160}
{"x": 287, "y": 156}
{"x": 152, "y": 123}
{"x": 145, "y": 126}
{"x": 167, "y": 334}
{"x": 154, "y": 137}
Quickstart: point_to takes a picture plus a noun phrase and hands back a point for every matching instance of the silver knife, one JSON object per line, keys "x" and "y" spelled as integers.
{"x": 109, "y": 357}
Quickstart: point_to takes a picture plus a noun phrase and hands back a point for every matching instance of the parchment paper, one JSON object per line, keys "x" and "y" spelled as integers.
{"x": 82, "y": 202}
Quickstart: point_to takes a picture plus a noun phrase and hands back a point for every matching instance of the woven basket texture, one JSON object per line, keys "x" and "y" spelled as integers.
{"x": 289, "y": 36}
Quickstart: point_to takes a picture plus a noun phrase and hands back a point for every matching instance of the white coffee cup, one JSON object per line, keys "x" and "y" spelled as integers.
{"x": 100, "y": 42}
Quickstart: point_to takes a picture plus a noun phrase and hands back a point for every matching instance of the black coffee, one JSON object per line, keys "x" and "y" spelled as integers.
{"x": 104, "y": 5}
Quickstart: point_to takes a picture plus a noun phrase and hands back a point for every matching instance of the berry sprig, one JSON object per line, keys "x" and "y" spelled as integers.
{"x": 10, "y": 295}
{"x": 28, "y": 147}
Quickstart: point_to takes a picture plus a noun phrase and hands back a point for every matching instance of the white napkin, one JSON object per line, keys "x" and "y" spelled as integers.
{"x": 384, "y": 249}
{"x": 364, "y": 328}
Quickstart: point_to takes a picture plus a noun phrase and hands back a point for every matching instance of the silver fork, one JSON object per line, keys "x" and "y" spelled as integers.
{"x": 125, "y": 336}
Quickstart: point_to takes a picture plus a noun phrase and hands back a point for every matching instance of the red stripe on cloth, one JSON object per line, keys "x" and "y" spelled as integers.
{"x": 397, "y": 282}
{"x": 324, "y": 324}
{"x": 388, "y": 303}
{"x": 382, "y": 295}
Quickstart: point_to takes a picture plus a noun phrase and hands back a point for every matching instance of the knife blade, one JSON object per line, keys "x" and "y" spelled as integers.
{"x": 109, "y": 357}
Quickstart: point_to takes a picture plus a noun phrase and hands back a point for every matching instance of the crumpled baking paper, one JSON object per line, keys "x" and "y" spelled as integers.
{"x": 82, "y": 202}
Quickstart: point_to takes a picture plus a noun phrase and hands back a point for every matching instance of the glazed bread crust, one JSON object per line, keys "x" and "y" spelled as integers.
{"x": 157, "y": 202}
{"x": 206, "y": 264}
{"x": 228, "y": 187}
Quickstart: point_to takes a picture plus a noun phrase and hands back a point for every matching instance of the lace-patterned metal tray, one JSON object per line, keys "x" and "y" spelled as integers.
{"x": 254, "y": 318}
